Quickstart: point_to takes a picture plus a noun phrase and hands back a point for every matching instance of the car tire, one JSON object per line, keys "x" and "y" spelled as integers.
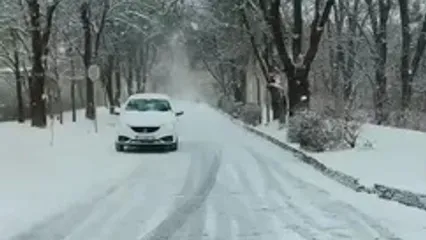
{"x": 119, "y": 147}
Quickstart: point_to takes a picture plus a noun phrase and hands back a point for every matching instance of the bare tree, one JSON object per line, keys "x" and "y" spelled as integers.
{"x": 14, "y": 61}
{"x": 39, "y": 42}
{"x": 297, "y": 64}
{"x": 346, "y": 19}
{"x": 379, "y": 21}
{"x": 18, "y": 76}
{"x": 91, "y": 48}
{"x": 409, "y": 64}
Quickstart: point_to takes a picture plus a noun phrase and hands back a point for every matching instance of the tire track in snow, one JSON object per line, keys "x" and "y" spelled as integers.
{"x": 142, "y": 213}
{"x": 233, "y": 210}
{"x": 61, "y": 225}
{"x": 237, "y": 184}
{"x": 225, "y": 201}
{"x": 222, "y": 221}
{"x": 293, "y": 217}
{"x": 334, "y": 208}
{"x": 246, "y": 207}
{"x": 121, "y": 211}
{"x": 360, "y": 224}
{"x": 178, "y": 217}
{"x": 193, "y": 227}
{"x": 241, "y": 208}
{"x": 129, "y": 223}
{"x": 218, "y": 220}
{"x": 211, "y": 224}
{"x": 105, "y": 211}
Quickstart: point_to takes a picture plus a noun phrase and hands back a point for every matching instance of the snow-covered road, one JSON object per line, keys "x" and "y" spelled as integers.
{"x": 224, "y": 183}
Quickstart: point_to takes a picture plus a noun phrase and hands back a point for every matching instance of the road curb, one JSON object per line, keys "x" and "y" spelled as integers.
{"x": 340, "y": 177}
{"x": 401, "y": 196}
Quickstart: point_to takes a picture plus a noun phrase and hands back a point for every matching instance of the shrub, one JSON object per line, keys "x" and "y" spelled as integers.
{"x": 251, "y": 113}
{"x": 236, "y": 109}
{"x": 409, "y": 119}
{"x": 317, "y": 133}
{"x": 351, "y": 130}
{"x": 294, "y": 128}
{"x": 226, "y": 104}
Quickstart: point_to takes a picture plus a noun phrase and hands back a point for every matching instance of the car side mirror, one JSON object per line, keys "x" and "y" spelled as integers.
{"x": 180, "y": 113}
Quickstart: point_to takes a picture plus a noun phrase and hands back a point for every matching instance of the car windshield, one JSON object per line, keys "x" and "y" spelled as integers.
{"x": 144, "y": 105}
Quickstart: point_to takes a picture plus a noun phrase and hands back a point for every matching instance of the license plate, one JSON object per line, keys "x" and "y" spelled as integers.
{"x": 145, "y": 137}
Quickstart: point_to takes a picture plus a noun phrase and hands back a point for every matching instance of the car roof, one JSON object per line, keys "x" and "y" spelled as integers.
{"x": 149, "y": 96}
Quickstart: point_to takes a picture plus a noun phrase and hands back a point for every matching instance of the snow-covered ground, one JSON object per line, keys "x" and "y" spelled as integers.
{"x": 393, "y": 157}
{"x": 41, "y": 176}
{"x": 223, "y": 183}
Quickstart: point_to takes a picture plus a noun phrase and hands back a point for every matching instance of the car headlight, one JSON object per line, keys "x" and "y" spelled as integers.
{"x": 167, "y": 126}
{"x": 122, "y": 125}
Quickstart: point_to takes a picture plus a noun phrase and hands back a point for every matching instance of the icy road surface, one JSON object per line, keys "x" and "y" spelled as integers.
{"x": 223, "y": 184}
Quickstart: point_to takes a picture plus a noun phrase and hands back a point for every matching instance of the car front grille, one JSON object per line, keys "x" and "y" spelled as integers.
{"x": 145, "y": 141}
{"x": 145, "y": 129}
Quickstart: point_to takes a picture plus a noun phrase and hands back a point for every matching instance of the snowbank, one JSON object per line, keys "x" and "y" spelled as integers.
{"x": 393, "y": 166}
{"x": 38, "y": 179}
{"x": 397, "y": 157}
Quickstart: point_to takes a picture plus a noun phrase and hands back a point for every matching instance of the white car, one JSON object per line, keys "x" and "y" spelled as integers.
{"x": 147, "y": 120}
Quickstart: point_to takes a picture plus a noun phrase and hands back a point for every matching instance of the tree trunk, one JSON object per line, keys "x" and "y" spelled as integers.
{"x": 258, "y": 87}
{"x": 274, "y": 95}
{"x": 56, "y": 89}
{"x": 129, "y": 78}
{"x": 409, "y": 66}
{"x": 380, "y": 95}
{"x": 296, "y": 66}
{"x": 298, "y": 90}
{"x": 138, "y": 69}
{"x": 243, "y": 83}
{"x": 72, "y": 93}
{"x": 60, "y": 107}
{"x": 50, "y": 100}
{"x": 117, "y": 78}
{"x": 73, "y": 103}
{"x": 276, "y": 103}
{"x": 149, "y": 58}
{"x": 108, "y": 83}
{"x": 350, "y": 59}
{"x": 38, "y": 104}
{"x": 405, "y": 55}
{"x": 87, "y": 59}
{"x": 79, "y": 86}
{"x": 18, "y": 77}
{"x": 234, "y": 73}
{"x": 380, "y": 39}
{"x": 20, "y": 101}
{"x": 333, "y": 81}
{"x": 268, "y": 106}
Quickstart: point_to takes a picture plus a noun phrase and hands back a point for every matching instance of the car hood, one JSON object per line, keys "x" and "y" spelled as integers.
{"x": 148, "y": 119}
